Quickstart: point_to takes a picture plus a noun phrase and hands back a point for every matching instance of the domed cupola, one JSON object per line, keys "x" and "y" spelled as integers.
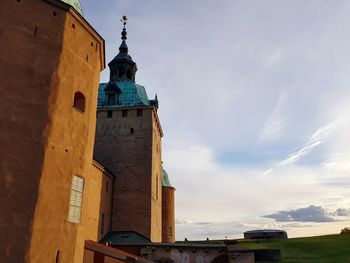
{"x": 76, "y": 4}
{"x": 122, "y": 67}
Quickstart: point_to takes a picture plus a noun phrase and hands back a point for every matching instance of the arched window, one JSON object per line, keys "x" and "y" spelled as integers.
{"x": 120, "y": 72}
{"x": 79, "y": 101}
{"x": 111, "y": 99}
{"x": 128, "y": 73}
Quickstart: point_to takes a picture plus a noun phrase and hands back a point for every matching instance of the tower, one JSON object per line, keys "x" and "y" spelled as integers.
{"x": 168, "y": 211}
{"x": 128, "y": 142}
{"x": 50, "y": 67}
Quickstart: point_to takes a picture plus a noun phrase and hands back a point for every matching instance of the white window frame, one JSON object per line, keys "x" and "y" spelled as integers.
{"x": 76, "y": 199}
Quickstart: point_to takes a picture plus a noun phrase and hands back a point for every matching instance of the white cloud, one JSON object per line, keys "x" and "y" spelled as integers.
{"x": 221, "y": 87}
{"x": 338, "y": 162}
{"x": 274, "y": 126}
{"x": 317, "y": 138}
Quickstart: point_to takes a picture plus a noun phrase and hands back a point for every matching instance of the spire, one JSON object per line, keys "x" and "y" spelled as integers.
{"x": 122, "y": 67}
{"x": 123, "y": 46}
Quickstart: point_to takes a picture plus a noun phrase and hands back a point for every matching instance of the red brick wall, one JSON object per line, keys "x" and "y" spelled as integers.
{"x": 168, "y": 215}
{"x": 130, "y": 157}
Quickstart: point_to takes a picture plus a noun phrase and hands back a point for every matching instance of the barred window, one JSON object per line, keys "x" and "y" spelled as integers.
{"x": 76, "y": 199}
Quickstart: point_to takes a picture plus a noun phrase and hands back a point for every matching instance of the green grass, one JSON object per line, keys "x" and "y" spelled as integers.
{"x": 320, "y": 249}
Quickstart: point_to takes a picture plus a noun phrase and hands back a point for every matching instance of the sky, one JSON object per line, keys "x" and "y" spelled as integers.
{"x": 254, "y": 104}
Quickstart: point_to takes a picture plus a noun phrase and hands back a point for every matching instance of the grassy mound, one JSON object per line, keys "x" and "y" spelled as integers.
{"x": 320, "y": 249}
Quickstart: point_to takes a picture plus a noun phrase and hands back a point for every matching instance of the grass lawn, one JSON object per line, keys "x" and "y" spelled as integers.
{"x": 320, "y": 249}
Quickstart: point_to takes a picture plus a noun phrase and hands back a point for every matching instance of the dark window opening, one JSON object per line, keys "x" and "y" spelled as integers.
{"x": 87, "y": 58}
{"x": 73, "y": 26}
{"x": 157, "y": 187}
{"x": 111, "y": 99}
{"x": 57, "y": 258}
{"x": 35, "y": 30}
{"x": 109, "y": 114}
{"x": 107, "y": 187}
{"x": 128, "y": 74}
{"x": 79, "y": 101}
{"x": 132, "y": 130}
{"x": 120, "y": 72}
{"x": 124, "y": 113}
{"x": 54, "y": 13}
{"x": 139, "y": 112}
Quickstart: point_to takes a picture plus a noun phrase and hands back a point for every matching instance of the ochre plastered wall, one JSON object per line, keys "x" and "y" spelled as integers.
{"x": 44, "y": 61}
{"x": 105, "y": 203}
{"x": 131, "y": 158}
{"x": 168, "y": 215}
{"x": 157, "y": 172}
{"x": 30, "y": 46}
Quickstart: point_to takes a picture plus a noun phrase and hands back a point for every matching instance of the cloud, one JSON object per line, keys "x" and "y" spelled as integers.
{"x": 342, "y": 212}
{"x": 274, "y": 126}
{"x": 307, "y": 214}
{"x": 317, "y": 138}
{"x": 338, "y": 162}
{"x": 253, "y": 91}
{"x": 182, "y": 222}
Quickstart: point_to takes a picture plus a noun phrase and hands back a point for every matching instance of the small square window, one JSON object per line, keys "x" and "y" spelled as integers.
{"x": 109, "y": 114}
{"x": 124, "y": 113}
{"x": 132, "y": 130}
{"x": 139, "y": 112}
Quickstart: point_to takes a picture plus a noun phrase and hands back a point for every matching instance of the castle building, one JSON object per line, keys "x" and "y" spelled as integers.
{"x": 128, "y": 142}
{"x": 53, "y": 195}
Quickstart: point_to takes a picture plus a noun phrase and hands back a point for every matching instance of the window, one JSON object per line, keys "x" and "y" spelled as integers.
{"x": 124, "y": 113}
{"x": 170, "y": 232}
{"x": 79, "y": 101}
{"x": 111, "y": 99}
{"x": 132, "y": 130}
{"x": 57, "y": 258}
{"x": 128, "y": 73}
{"x": 107, "y": 187}
{"x": 157, "y": 187}
{"x": 76, "y": 199}
{"x": 139, "y": 112}
{"x": 102, "y": 227}
{"x": 120, "y": 72}
{"x": 109, "y": 114}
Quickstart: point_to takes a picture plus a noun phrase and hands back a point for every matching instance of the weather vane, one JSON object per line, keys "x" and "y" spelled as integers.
{"x": 124, "y": 20}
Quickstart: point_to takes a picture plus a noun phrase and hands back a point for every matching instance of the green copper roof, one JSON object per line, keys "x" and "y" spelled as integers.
{"x": 76, "y": 4}
{"x": 120, "y": 238}
{"x": 129, "y": 94}
{"x": 165, "y": 180}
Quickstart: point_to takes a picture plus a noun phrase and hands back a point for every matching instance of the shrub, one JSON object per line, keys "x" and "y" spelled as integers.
{"x": 345, "y": 230}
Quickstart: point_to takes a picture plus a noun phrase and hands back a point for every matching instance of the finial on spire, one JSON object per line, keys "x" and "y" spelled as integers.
{"x": 124, "y": 20}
